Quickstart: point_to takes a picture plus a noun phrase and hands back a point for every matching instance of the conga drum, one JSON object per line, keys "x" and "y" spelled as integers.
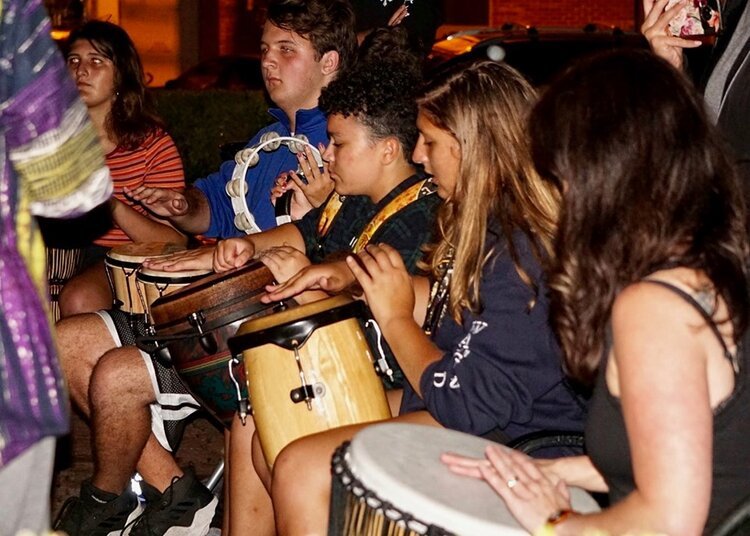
{"x": 122, "y": 264}
{"x": 389, "y": 480}
{"x": 154, "y": 284}
{"x": 309, "y": 369}
{"x": 192, "y": 326}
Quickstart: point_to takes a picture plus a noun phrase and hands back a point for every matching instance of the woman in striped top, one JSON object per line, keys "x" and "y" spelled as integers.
{"x": 108, "y": 73}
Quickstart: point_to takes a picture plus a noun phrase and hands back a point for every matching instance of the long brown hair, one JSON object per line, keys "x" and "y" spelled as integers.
{"x": 647, "y": 185}
{"x": 132, "y": 118}
{"x": 485, "y": 106}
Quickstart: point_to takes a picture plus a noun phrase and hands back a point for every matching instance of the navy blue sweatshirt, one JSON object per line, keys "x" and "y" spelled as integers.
{"x": 501, "y": 368}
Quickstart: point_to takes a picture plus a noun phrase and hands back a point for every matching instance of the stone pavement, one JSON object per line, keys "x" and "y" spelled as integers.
{"x": 202, "y": 446}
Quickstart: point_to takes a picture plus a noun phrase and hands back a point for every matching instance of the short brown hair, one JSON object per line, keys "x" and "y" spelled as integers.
{"x": 327, "y": 24}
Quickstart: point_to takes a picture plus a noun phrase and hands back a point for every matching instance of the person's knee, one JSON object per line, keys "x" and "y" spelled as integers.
{"x": 121, "y": 375}
{"x": 82, "y": 295}
{"x": 82, "y": 339}
{"x": 294, "y": 460}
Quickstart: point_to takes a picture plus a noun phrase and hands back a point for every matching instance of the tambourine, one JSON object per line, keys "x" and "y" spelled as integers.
{"x": 237, "y": 189}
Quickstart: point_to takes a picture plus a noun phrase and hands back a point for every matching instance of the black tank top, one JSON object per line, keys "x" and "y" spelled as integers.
{"x": 607, "y": 440}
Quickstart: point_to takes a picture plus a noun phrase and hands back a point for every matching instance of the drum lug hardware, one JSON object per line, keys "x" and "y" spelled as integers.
{"x": 305, "y": 391}
{"x": 206, "y": 341}
{"x": 243, "y": 404}
{"x": 381, "y": 363}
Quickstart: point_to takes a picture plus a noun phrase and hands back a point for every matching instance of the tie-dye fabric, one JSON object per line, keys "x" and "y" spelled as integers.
{"x": 51, "y": 165}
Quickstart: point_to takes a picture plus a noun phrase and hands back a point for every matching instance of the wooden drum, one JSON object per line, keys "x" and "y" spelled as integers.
{"x": 122, "y": 263}
{"x": 193, "y": 324}
{"x": 154, "y": 284}
{"x": 309, "y": 369}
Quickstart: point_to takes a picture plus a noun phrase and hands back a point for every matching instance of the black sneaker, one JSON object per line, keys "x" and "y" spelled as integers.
{"x": 186, "y": 508}
{"x": 86, "y": 516}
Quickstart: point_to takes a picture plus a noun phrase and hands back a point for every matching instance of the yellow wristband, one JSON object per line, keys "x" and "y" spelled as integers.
{"x": 545, "y": 530}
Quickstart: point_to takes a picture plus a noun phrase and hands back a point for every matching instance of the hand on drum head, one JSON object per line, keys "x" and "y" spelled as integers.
{"x": 161, "y": 201}
{"x": 283, "y": 261}
{"x": 193, "y": 259}
{"x": 232, "y": 253}
{"x": 318, "y": 184}
{"x": 529, "y": 494}
{"x": 388, "y": 287}
{"x": 331, "y": 277}
{"x": 655, "y": 30}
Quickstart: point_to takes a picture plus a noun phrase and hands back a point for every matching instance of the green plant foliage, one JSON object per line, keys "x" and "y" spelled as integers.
{"x": 200, "y": 122}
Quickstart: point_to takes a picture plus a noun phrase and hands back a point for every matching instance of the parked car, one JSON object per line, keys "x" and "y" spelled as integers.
{"x": 222, "y": 72}
{"x": 538, "y": 53}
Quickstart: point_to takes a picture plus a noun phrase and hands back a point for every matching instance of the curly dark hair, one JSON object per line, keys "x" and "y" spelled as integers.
{"x": 132, "y": 118}
{"x": 380, "y": 92}
{"x": 327, "y": 24}
{"x": 647, "y": 185}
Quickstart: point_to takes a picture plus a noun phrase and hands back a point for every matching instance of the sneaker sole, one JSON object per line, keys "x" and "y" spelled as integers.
{"x": 201, "y": 522}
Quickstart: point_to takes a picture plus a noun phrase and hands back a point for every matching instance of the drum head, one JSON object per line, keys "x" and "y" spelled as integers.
{"x": 175, "y": 278}
{"x": 294, "y": 324}
{"x": 135, "y": 254}
{"x": 400, "y": 463}
{"x": 222, "y": 297}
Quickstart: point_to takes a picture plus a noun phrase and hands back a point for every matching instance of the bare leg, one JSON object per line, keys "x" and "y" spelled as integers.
{"x": 250, "y": 502}
{"x": 87, "y": 292}
{"x": 82, "y": 340}
{"x": 301, "y": 488}
{"x": 120, "y": 394}
{"x": 227, "y": 471}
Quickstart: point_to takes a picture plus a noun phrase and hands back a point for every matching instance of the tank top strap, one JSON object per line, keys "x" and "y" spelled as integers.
{"x": 705, "y": 314}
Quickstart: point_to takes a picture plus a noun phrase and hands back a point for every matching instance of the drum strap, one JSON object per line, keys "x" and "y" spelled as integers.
{"x": 402, "y": 200}
{"x": 333, "y": 205}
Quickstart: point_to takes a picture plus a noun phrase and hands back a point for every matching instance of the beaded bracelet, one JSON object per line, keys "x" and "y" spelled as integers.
{"x": 548, "y": 529}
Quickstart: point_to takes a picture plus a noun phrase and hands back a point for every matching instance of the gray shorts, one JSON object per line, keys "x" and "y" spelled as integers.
{"x": 173, "y": 401}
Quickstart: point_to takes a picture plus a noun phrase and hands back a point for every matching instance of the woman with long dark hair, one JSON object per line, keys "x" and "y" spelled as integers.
{"x": 650, "y": 302}
{"x": 107, "y": 70}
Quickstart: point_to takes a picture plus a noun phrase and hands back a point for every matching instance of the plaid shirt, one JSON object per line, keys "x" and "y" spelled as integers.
{"x": 406, "y": 230}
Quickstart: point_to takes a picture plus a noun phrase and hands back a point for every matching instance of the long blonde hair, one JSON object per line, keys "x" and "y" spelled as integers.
{"x": 485, "y": 107}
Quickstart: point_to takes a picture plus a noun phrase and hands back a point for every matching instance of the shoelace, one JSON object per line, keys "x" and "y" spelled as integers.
{"x": 68, "y": 504}
{"x": 142, "y": 520}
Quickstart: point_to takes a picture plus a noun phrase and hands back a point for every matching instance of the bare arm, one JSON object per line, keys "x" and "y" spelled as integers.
{"x": 141, "y": 228}
{"x": 188, "y": 210}
{"x": 659, "y": 369}
{"x": 390, "y": 294}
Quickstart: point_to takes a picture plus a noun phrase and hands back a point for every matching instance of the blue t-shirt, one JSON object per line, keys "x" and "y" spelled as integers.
{"x": 260, "y": 178}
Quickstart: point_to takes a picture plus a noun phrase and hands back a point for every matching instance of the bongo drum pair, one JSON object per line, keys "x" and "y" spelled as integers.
{"x": 389, "y": 480}
{"x": 309, "y": 369}
{"x": 134, "y": 287}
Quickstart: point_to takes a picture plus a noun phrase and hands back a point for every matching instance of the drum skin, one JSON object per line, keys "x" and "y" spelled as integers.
{"x": 398, "y": 465}
{"x": 122, "y": 263}
{"x": 336, "y": 361}
{"x": 224, "y": 301}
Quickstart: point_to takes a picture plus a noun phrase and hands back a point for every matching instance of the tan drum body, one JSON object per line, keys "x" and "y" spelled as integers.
{"x": 153, "y": 284}
{"x": 337, "y": 363}
{"x": 123, "y": 262}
